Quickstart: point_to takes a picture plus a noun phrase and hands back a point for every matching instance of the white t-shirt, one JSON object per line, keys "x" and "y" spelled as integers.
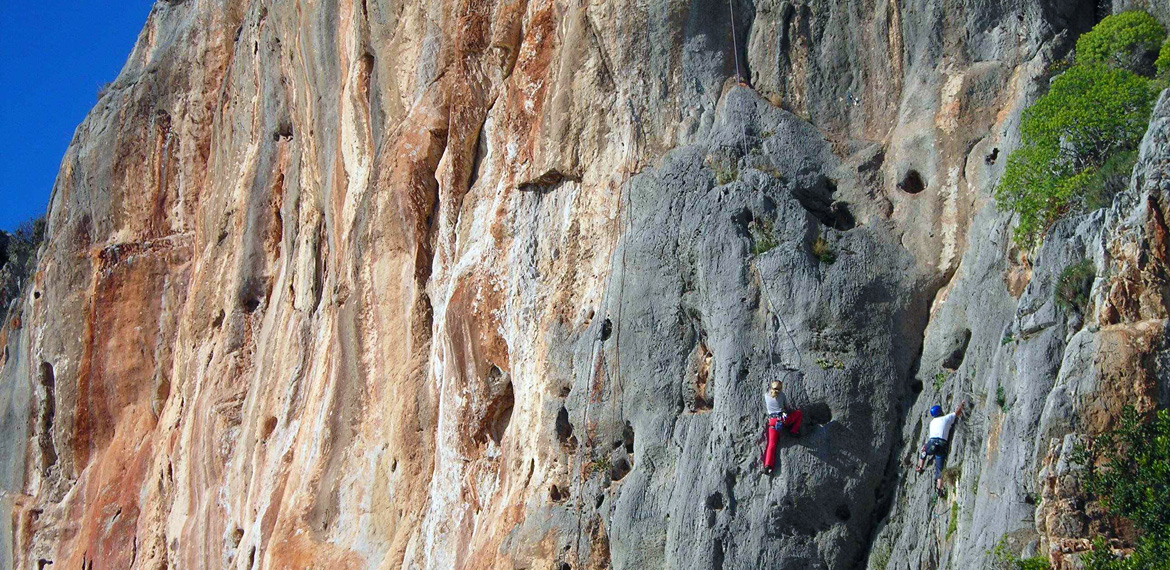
{"x": 775, "y": 405}
{"x": 941, "y": 427}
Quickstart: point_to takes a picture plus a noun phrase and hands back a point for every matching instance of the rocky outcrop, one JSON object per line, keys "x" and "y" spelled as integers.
{"x": 499, "y": 284}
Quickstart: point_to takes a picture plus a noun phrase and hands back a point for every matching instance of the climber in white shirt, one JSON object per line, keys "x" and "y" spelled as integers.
{"x": 938, "y": 444}
{"x": 780, "y": 416}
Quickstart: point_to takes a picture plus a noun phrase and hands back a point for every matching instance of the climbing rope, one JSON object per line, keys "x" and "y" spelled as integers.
{"x": 583, "y": 444}
{"x": 625, "y": 191}
{"x": 738, "y": 75}
{"x": 743, "y": 143}
{"x": 779, "y": 316}
{"x": 614, "y": 382}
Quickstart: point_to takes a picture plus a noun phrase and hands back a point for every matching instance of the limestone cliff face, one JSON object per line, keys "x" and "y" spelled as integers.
{"x": 489, "y": 284}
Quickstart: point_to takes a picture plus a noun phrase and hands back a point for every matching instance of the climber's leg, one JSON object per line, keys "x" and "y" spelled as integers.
{"x": 940, "y": 459}
{"x": 770, "y": 450}
{"x": 793, "y": 422}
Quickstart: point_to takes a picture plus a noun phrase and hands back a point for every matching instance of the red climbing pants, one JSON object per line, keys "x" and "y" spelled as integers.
{"x": 773, "y": 439}
{"x": 792, "y": 421}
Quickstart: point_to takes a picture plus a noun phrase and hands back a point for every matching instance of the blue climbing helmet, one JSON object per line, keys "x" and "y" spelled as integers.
{"x": 935, "y": 411}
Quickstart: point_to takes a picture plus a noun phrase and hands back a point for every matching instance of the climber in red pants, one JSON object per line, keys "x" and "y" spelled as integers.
{"x": 780, "y": 416}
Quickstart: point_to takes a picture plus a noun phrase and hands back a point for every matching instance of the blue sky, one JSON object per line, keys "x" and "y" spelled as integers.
{"x": 54, "y": 55}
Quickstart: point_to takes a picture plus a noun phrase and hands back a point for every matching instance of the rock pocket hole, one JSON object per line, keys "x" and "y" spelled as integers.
{"x": 499, "y": 414}
{"x": 628, "y": 437}
{"x": 606, "y": 330}
{"x": 565, "y": 430}
{"x": 284, "y": 129}
{"x": 42, "y": 563}
{"x": 818, "y": 413}
{"x": 48, "y": 416}
{"x": 912, "y": 183}
{"x": 620, "y": 469}
{"x": 251, "y": 296}
{"x": 955, "y": 358}
{"x": 818, "y": 200}
{"x": 556, "y": 495}
{"x": 268, "y": 427}
{"x": 842, "y": 218}
{"x": 715, "y": 501}
{"x": 703, "y": 398}
{"x": 842, "y": 513}
{"x": 218, "y": 322}
{"x": 991, "y": 156}
{"x": 718, "y": 556}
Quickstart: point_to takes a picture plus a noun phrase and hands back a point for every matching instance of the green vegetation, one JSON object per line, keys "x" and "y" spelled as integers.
{"x": 763, "y": 236}
{"x": 881, "y": 557}
{"x": 953, "y": 523}
{"x": 1107, "y": 181}
{"x": 1033, "y": 563}
{"x": 1078, "y": 140}
{"x": 725, "y": 166}
{"x": 1074, "y": 284}
{"x": 598, "y": 465}
{"x": 940, "y": 378}
{"x": 951, "y": 475}
{"x": 1128, "y": 469}
{"x": 21, "y": 244}
{"x": 1122, "y": 40}
{"x": 823, "y": 251}
{"x": 1001, "y": 398}
{"x": 1002, "y": 558}
{"x": 826, "y": 364}
{"x": 1162, "y": 65}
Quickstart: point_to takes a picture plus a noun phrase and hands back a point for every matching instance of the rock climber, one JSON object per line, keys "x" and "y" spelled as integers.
{"x": 938, "y": 444}
{"x": 780, "y": 416}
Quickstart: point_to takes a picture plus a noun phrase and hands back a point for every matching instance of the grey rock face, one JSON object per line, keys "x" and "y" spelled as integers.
{"x": 693, "y": 286}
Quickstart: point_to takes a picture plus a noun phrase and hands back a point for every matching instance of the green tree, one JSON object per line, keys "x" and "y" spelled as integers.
{"x": 1090, "y": 114}
{"x": 1128, "y": 469}
{"x": 1127, "y": 40}
{"x": 1163, "y": 62}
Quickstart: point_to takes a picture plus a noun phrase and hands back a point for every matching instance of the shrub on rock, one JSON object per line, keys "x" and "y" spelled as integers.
{"x": 1074, "y": 284}
{"x": 1090, "y": 114}
{"x": 1162, "y": 65}
{"x": 1128, "y": 40}
{"x": 1128, "y": 469}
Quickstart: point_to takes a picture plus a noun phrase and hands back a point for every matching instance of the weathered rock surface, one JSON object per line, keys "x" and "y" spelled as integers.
{"x": 498, "y": 284}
